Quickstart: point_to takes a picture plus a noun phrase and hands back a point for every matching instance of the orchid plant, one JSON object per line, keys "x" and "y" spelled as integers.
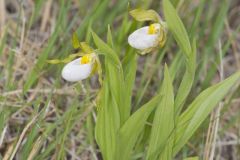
{"x": 120, "y": 133}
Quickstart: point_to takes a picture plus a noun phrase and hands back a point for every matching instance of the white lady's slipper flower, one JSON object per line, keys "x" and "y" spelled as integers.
{"x": 149, "y": 37}
{"x": 79, "y": 69}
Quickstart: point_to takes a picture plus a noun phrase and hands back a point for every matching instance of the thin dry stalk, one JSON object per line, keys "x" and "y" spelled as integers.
{"x": 74, "y": 156}
{"x": 214, "y": 123}
{"x": 22, "y": 136}
{"x": 2, "y": 18}
{"x": 209, "y": 138}
{"x": 3, "y": 135}
{"x": 23, "y": 29}
{"x": 9, "y": 151}
{"x": 46, "y": 15}
{"x": 35, "y": 149}
{"x": 63, "y": 91}
{"x": 218, "y": 110}
{"x": 229, "y": 143}
{"x": 93, "y": 153}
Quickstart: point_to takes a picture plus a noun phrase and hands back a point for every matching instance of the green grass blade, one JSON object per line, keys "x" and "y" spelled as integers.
{"x": 3, "y": 116}
{"x": 41, "y": 62}
{"x": 68, "y": 123}
{"x": 29, "y": 143}
{"x": 109, "y": 37}
{"x": 215, "y": 33}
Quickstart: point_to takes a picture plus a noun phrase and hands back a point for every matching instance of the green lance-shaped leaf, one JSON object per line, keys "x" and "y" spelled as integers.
{"x": 197, "y": 112}
{"x": 130, "y": 131}
{"x": 176, "y": 26}
{"x": 129, "y": 69}
{"x": 106, "y": 50}
{"x": 187, "y": 81}
{"x": 145, "y": 15}
{"x": 117, "y": 82}
{"x": 163, "y": 123}
{"x": 107, "y": 123}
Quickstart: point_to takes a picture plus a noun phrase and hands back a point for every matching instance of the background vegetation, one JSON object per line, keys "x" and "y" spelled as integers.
{"x": 44, "y": 117}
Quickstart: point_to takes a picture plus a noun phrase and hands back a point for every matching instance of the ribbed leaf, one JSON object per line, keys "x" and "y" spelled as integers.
{"x": 130, "y": 131}
{"x": 107, "y": 123}
{"x": 176, "y": 26}
{"x": 116, "y": 82}
{"x": 110, "y": 110}
{"x": 106, "y": 50}
{"x": 163, "y": 123}
{"x": 187, "y": 81}
{"x": 145, "y": 15}
{"x": 198, "y": 111}
{"x": 129, "y": 70}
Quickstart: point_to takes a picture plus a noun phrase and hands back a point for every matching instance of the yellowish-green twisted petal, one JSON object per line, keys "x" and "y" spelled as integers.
{"x": 145, "y": 15}
{"x": 75, "y": 41}
{"x": 65, "y": 60}
{"x": 86, "y": 48}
